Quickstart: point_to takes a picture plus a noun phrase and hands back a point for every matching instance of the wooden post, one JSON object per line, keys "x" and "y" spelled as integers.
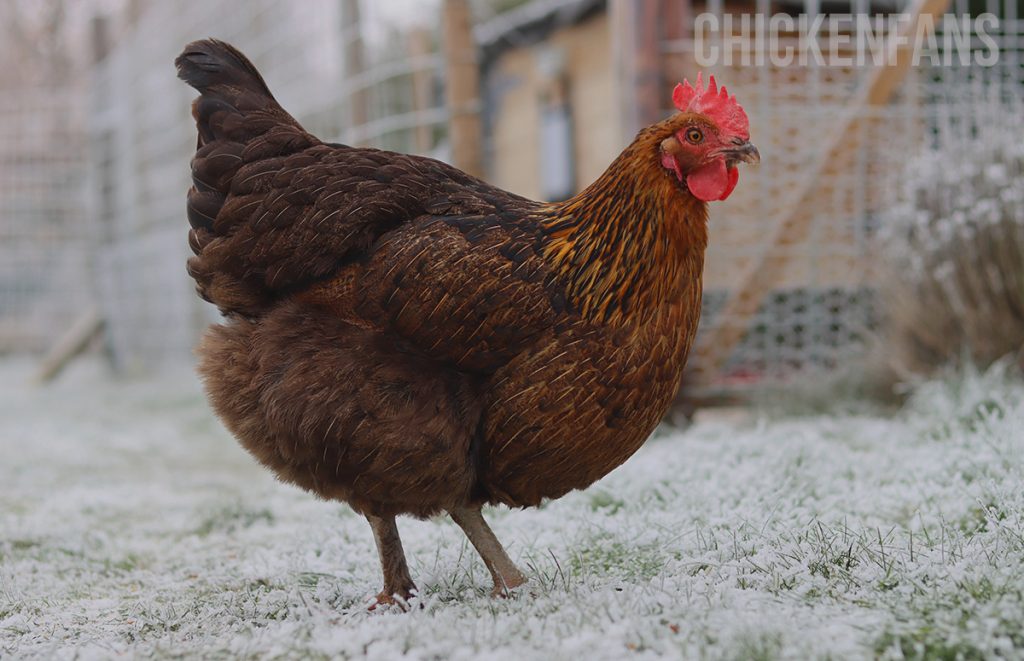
{"x": 637, "y": 40}
{"x": 354, "y": 62}
{"x": 419, "y": 48}
{"x": 677, "y": 20}
{"x": 798, "y": 215}
{"x": 100, "y": 42}
{"x": 462, "y": 87}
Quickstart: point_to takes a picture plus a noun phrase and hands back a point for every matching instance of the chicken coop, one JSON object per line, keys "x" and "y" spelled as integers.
{"x": 536, "y": 96}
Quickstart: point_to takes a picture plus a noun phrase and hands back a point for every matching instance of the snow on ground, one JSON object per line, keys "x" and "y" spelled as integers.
{"x": 131, "y": 524}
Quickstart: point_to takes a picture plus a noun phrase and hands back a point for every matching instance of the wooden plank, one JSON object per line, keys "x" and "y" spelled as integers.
{"x": 71, "y": 344}
{"x": 798, "y": 216}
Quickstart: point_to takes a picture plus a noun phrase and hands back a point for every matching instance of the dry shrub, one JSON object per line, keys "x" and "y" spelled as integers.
{"x": 954, "y": 288}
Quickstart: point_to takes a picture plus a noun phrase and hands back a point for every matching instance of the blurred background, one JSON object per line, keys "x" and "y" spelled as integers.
{"x": 883, "y": 232}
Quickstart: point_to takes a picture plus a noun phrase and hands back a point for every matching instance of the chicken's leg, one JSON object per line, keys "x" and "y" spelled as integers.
{"x": 504, "y": 572}
{"x": 397, "y": 581}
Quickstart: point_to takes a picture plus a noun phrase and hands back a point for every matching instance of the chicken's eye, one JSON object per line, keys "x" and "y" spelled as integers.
{"x": 694, "y": 136}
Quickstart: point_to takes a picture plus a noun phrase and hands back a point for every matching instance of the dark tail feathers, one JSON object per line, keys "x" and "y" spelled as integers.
{"x": 235, "y": 103}
{"x": 242, "y": 130}
{"x": 209, "y": 63}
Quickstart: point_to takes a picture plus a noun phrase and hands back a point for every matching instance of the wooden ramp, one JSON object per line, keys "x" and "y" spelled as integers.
{"x": 76, "y": 340}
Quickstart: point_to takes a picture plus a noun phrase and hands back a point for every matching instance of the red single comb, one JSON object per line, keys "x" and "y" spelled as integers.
{"x": 715, "y": 103}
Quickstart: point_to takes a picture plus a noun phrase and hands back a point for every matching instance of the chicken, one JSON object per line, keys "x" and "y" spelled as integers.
{"x": 409, "y": 339}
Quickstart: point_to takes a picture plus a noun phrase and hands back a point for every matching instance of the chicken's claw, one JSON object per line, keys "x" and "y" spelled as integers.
{"x": 508, "y": 589}
{"x": 385, "y": 601}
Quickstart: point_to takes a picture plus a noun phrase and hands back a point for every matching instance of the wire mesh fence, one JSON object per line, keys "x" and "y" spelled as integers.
{"x": 107, "y": 224}
{"x": 143, "y": 138}
{"x": 832, "y": 164}
{"x": 44, "y": 237}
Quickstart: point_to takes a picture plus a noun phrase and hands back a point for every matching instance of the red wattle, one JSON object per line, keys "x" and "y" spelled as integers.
{"x": 734, "y": 178}
{"x": 713, "y": 181}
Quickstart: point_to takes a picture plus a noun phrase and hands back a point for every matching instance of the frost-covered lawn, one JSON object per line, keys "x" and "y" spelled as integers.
{"x": 132, "y": 525}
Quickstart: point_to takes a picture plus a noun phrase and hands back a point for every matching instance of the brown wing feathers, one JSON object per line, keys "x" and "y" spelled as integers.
{"x": 273, "y": 209}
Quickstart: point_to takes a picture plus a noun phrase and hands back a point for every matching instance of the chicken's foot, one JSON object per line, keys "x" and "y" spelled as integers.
{"x": 504, "y": 572}
{"x": 398, "y": 585}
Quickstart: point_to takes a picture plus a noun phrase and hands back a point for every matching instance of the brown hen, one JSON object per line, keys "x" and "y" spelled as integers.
{"x": 409, "y": 339}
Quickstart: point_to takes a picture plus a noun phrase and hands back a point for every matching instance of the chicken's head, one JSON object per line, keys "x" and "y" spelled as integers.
{"x": 706, "y": 139}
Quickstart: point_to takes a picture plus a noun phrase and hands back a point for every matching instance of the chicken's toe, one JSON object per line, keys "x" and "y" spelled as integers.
{"x": 386, "y": 600}
{"x": 507, "y": 588}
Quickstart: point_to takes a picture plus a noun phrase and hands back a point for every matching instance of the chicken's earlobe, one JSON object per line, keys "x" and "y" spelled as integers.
{"x": 669, "y": 148}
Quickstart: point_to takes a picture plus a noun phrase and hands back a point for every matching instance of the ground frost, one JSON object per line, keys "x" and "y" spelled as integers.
{"x": 131, "y": 523}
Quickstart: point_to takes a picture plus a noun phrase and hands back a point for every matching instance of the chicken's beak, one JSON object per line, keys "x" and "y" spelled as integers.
{"x": 743, "y": 152}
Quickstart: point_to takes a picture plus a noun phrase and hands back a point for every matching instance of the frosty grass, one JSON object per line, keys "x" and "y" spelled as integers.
{"x": 131, "y": 525}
